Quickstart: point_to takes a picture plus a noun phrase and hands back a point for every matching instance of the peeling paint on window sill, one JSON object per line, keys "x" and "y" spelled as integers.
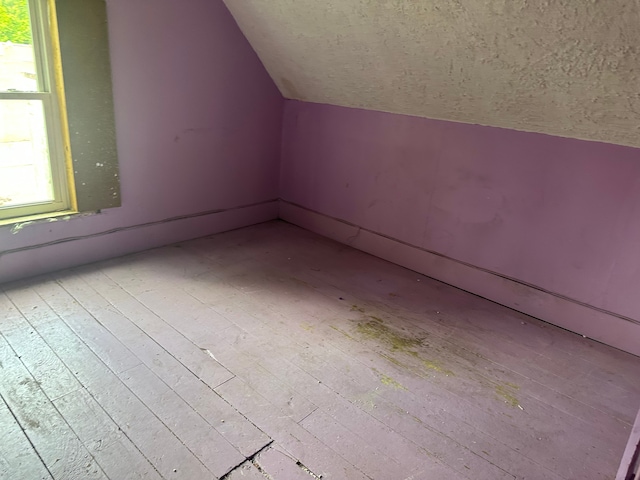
{"x": 18, "y": 224}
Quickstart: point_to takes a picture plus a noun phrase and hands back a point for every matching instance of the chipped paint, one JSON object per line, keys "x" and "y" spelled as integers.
{"x": 46, "y": 218}
{"x": 19, "y": 226}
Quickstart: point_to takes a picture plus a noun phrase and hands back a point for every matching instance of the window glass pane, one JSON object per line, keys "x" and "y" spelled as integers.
{"x": 17, "y": 63}
{"x": 25, "y": 172}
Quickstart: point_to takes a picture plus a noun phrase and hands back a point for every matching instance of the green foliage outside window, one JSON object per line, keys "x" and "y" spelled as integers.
{"x": 14, "y": 22}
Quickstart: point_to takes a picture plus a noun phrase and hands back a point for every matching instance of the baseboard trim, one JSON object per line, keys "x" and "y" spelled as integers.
{"x": 37, "y": 259}
{"x": 604, "y": 326}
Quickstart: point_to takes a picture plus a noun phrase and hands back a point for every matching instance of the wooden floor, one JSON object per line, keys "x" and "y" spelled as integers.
{"x": 270, "y": 352}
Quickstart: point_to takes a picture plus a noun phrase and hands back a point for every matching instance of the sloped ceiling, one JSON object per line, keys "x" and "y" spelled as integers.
{"x": 564, "y": 67}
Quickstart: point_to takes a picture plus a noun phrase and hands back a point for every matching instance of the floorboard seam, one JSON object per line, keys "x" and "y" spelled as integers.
{"x": 308, "y": 415}
{"x": 239, "y": 412}
{"x": 247, "y": 459}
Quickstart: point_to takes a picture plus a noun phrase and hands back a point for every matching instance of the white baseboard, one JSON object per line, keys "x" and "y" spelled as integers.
{"x": 605, "y": 327}
{"x": 72, "y": 252}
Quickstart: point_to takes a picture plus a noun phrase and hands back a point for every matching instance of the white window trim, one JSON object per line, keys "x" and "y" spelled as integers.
{"x": 49, "y": 94}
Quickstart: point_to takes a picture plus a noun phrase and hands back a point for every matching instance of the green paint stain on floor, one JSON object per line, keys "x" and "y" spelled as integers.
{"x": 394, "y": 360}
{"x": 377, "y": 330}
{"x": 435, "y": 366}
{"x": 390, "y": 382}
{"x": 397, "y": 342}
{"x": 507, "y": 392}
{"x": 342, "y": 332}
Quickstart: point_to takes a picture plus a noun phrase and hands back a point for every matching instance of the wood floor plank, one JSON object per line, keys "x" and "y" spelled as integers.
{"x": 346, "y": 386}
{"x": 183, "y": 310}
{"x": 549, "y": 434}
{"x": 218, "y": 455}
{"x": 118, "y": 456}
{"x": 183, "y": 361}
{"x": 53, "y": 376}
{"x": 241, "y": 433}
{"x": 268, "y": 356}
{"x": 300, "y": 444}
{"x": 157, "y": 443}
{"x": 541, "y": 417}
{"x": 190, "y": 355}
{"x": 60, "y": 449}
{"x": 246, "y": 471}
{"x": 363, "y": 455}
{"x": 465, "y": 361}
{"x": 276, "y": 463}
{"x": 116, "y": 356}
{"x": 452, "y": 307}
{"x": 485, "y": 378}
{"x": 212, "y": 341}
{"x": 451, "y": 420}
{"x": 580, "y": 394}
{"x": 18, "y": 459}
{"x": 154, "y": 439}
{"x": 155, "y": 268}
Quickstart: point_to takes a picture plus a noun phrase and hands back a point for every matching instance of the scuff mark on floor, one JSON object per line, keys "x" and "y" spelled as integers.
{"x": 208, "y": 352}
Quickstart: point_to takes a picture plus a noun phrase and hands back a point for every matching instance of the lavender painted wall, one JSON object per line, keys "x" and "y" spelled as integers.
{"x": 198, "y": 123}
{"x": 560, "y": 214}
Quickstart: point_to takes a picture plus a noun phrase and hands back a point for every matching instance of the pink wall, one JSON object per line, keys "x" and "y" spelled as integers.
{"x": 561, "y": 215}
{"x": 198, "y": 123}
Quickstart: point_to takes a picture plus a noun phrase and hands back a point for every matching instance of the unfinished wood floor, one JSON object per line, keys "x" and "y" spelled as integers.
{"x": 272, "y": 352}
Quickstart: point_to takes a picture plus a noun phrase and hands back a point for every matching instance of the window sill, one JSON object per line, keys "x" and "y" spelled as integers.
{"x": 19, "y": 222}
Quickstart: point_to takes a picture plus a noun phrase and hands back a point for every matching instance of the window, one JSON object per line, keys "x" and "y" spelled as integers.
{"x": 33, "y": 166}
{"x": 57, "y": 130}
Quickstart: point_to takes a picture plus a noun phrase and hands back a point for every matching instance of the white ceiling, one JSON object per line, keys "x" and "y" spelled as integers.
{"x": 563, "y": 67}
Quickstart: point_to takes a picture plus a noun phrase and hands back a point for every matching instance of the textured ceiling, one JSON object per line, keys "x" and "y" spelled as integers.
{"x": 563, "y": 67}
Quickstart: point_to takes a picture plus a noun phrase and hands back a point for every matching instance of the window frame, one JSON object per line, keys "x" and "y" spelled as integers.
{"x": 80, "y": 41}
{"x": 50, "y": 94}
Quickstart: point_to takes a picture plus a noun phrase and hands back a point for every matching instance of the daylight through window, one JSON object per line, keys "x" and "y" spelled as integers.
{"x": 33, "y": 173}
